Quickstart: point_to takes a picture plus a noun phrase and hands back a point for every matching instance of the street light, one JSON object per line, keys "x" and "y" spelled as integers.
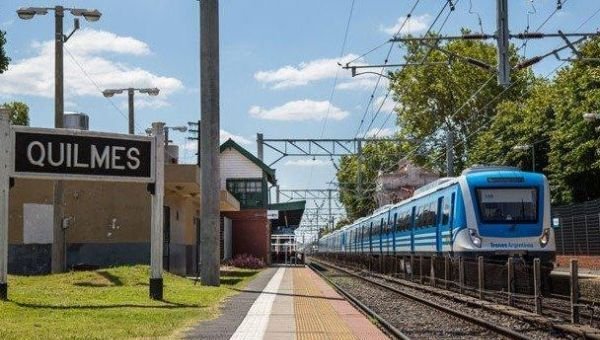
{"x": 27, "y": 13}
{"x": 130, "y": 91}
{"x": 176, "y": 128}
{"x": 526, "y": 147}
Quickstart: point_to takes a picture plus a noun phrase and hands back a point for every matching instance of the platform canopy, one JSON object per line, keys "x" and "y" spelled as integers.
{"x": 289, "y": 215}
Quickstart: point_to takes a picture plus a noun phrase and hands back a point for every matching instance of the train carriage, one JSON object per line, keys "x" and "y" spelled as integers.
{"x": 495, "y": 212}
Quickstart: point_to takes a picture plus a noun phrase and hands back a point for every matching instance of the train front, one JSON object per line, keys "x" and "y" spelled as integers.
{"x": 506, "y": 213}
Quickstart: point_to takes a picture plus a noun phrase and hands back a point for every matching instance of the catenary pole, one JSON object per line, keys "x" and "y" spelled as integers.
{"x": 58, "y": 264}
{"x": 157, "y": 219}
{"x": 209, "y": 145}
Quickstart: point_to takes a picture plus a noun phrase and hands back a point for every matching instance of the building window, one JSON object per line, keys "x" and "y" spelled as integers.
{"x": 249, "y": 192}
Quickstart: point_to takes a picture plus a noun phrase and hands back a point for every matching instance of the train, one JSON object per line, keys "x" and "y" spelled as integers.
{"x": 494, "y": 212}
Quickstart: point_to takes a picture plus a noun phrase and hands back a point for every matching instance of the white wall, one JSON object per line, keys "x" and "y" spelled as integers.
{"x": 37, "y": 223}
{"x": 235, "y": 165}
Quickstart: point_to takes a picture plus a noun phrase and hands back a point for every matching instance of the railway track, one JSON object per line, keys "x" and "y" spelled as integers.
{"x": 558, "y": 324}
{"x": 416, "y": 315}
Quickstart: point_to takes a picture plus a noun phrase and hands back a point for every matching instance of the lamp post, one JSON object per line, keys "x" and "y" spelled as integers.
{"x": 92, "y": 15}
{"x": 176, "y": 128}
{"x": 130, "y": 92}
{"x": 525, "y": 147}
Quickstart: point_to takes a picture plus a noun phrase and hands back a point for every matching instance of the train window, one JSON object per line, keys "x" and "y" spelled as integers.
{"x": 445, "y": 211}
{"x": 420, "y": 218}
{"x": 507, "y": 204}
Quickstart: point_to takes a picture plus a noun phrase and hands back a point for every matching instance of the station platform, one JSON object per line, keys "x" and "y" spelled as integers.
{"x": 287, "y": 303}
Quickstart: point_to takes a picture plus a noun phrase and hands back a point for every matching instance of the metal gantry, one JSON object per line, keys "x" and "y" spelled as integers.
{"x": 314, "y": 147}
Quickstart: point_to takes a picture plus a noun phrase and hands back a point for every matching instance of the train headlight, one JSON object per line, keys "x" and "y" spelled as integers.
{"x": 545, "y": 237}
{"x": 475, "y": 238}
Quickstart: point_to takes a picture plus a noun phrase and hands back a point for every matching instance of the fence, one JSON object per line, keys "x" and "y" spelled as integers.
{"x": 578, "y": 231}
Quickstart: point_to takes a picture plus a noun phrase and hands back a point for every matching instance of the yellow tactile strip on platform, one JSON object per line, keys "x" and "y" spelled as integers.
{"x": 315, "y": 316}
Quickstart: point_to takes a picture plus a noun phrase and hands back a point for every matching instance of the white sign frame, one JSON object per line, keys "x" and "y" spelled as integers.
{"x": 80, "y": 177}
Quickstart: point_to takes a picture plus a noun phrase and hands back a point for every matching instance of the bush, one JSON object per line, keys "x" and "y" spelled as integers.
{"x": 246, "y": 261}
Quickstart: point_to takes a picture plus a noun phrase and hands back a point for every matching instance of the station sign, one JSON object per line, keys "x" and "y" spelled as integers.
{"x": 272, "y": 214}
{"x": 83, "y": 155}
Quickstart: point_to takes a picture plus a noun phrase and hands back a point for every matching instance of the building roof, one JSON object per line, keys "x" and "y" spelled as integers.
{"x": 290, "y": 214}
{"x": 230, "y": 144}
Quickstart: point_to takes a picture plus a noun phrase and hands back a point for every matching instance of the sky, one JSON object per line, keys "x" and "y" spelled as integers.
{"x": 279, "y": 70}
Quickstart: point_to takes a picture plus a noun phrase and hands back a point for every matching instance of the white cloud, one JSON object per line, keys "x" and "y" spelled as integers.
{"x": 307, "y": 162}
{"x": 317, "y": 70}
{"x": 376, "y": 132}
{"x": 304, "y": 73}
{"x": 225, "y": 135}
{"x": 388, "y": 105}
{"x": 150, "y": 103}
{"x": 300, "y": 110}
{"x": 363, "y": 82}
{"x": 414, "y": 24}
{"x": 91, "y": 49}
{"x": 192, "y": 146}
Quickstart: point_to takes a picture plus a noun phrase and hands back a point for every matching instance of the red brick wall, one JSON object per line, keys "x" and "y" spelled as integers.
{"x": 251, "y": 232}
{"x": 587, "y": 262}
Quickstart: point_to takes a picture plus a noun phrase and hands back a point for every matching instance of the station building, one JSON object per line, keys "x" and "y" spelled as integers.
{"x": 110, "y": 222}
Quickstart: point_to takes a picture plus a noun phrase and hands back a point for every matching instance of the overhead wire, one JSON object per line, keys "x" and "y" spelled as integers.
{"x": 372, "y": 96}
{"x": 86, "y": 74}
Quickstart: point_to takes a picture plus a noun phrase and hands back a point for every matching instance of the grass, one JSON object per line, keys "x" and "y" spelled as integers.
{"x": 109, "y": 303}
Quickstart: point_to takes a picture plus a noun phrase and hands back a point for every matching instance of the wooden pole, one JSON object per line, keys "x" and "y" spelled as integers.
{"x": 461, "y": 274}
{"x": 574, "y": 292}
{"x": 5, "y": 153}
{"x": 510, "y": 280}
{"x": 481, "y": 272}
{"x": 209, "y": 145}
{"x": 156, "y": 232}
{"x": 537, "y": 285}
{"x": 446, "y": 271}
{"x": 432, "y": 274}
{"x": 421, "y": 278}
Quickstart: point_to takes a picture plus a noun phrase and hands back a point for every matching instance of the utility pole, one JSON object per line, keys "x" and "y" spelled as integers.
{"x": 260, "y": 146}
{"x": 502, "y": 38}
{"x": 131, "y": 118}
{"x": 58, "y": 264}
{"x": 209, "y": 145}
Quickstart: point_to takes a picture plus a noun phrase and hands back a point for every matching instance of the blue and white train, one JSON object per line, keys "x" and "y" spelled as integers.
{"x": 494, "y": 212}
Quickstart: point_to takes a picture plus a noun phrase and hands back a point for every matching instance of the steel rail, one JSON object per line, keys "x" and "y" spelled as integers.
{"x": 386, "y": 325}
{"x": 483, "y": 323}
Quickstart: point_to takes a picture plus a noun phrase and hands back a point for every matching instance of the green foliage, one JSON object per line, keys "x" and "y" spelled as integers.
{"x": 4, "y": 60}
{"x": 435, "y": 98}
{"x": 19, "y": 113}
{"x": 357, "y": 190}
{"x": 109, "y": 304}
{"x": 527, "y": 122}
{"x": 575, "y": 145}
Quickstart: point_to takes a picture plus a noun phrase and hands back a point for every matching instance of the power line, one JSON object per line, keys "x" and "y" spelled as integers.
{"x": 406, "y": 19}
{"x": 98, "y": 87}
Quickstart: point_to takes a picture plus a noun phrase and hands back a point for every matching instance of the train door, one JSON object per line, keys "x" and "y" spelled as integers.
{"x": 451, "y": 221}
{"x": 438, "y": 224}
{"x": 381, "y": 237}
{"x": 393, "y": 234}
{"x": 412, "y": 229}
{"x": 370, "y": 238}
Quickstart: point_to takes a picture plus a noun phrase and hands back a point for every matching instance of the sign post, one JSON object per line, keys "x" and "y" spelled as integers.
{"x": 156, "y": 232}
{"x": 60, "y": 154}
{"x": 4, "y": 188}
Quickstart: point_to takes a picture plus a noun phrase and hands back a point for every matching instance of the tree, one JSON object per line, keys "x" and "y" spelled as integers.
{"x": 574, "y": 157}
{"x": 4, "y": 60}
{"x": 436, "y": 98}
{"x": 526, "y": 122}
{"x": 19, "y": 113}
{"x": 356, "y": 176}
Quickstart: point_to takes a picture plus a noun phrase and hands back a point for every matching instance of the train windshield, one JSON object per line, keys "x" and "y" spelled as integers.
{"x": 508, "y": 205}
